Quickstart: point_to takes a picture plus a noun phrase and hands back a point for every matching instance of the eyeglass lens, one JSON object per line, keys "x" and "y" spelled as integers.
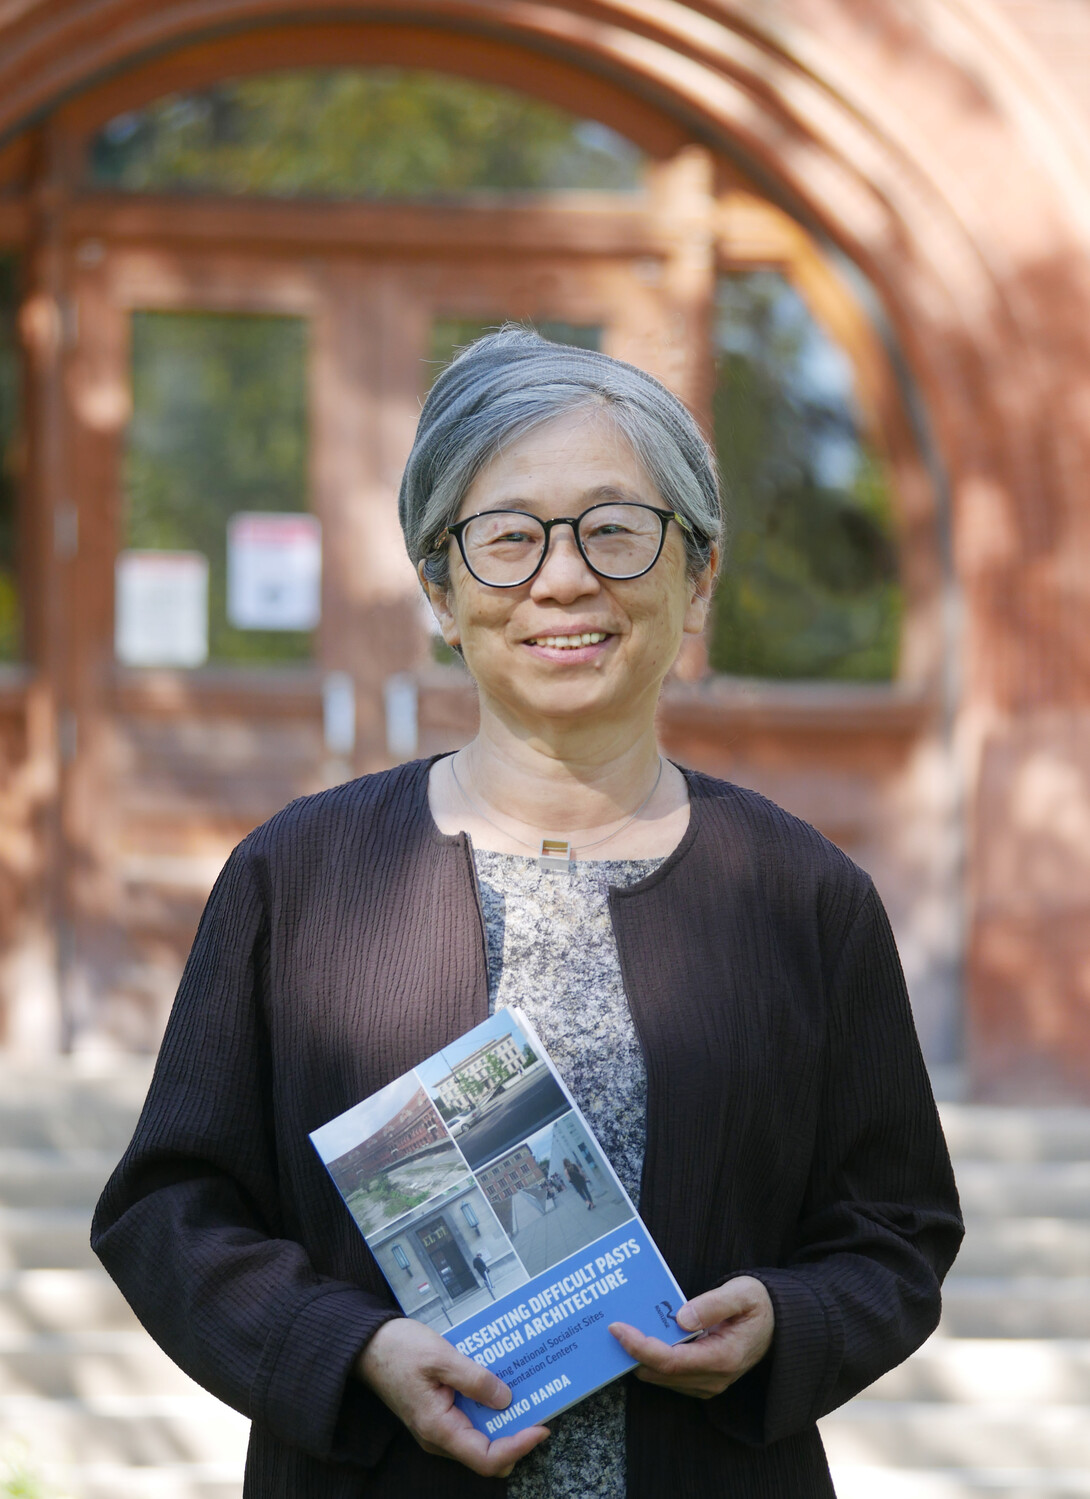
{"x": 619, "y": 541}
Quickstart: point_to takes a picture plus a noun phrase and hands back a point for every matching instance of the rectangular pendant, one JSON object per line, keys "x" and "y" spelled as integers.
{"x": 556, "y": 854}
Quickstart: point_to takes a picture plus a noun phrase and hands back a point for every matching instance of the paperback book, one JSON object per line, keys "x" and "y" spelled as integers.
{"x": 497, "y": 1220}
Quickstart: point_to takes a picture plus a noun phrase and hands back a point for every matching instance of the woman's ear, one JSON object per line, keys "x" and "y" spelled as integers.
{"x": 700, "y": 597}
{"x": 440, "y": 601}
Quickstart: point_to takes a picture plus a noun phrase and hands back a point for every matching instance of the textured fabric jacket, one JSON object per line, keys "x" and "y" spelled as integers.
{"x": 791, "y": 1132}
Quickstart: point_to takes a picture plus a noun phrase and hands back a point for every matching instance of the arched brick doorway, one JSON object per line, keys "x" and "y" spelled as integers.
{"x": 823, "y": 112}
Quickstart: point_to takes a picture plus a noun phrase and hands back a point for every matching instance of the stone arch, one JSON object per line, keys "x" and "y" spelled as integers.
{"x": 823, "y": 106}
{"x": 938, "y": 157}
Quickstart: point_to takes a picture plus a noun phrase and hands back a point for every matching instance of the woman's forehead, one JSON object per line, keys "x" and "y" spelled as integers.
{"x": 578, "y": 457}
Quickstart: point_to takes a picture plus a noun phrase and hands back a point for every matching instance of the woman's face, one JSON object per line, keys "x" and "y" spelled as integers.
{"x": 517, "y": 642}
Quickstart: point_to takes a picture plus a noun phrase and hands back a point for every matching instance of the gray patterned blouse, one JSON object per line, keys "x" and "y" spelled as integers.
{"x": 551, "y": 952}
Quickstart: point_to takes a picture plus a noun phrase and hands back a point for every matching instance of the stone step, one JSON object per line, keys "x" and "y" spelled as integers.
{"x": 72, "y": 1103}
{"x": 953, "y": 1370}
{"x": 861, "y": 1482}
{"x": 984, "y": 1133}
{"x": 1042, "y": 1189}
{"x": 166, "y": 1481}
{"x": 973, "y": 1371}
{"x": 921, "y": 1435}
{"x": 45, "y": 1239}
{"x": 1049, "y": 1189}
{"x": 1015, "y": 1307}
{"x": 57, "y": 1238}
{"x": 69, "y": 1179}
{"x": 1020, "y": 1246}
{"x": 136, "y": 1430}
{"x": 81, "y": 1365}
{"x": 41, "y": 1301}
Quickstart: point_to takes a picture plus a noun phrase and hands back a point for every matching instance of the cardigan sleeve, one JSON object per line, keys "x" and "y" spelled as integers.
{"x": 189, "y": 1223}
{"x": 881, "y": 1223}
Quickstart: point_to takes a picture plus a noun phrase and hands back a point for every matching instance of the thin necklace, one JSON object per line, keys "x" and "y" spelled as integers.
{"x": 553, "y": 853}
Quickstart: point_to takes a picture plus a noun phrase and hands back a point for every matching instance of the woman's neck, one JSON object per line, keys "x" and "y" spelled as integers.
{"x": 574, "y": 782}
{"x": 509, "y": 790}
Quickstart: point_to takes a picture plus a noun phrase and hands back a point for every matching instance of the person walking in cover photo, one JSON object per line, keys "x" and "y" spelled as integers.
{"x": 579, "y": 1182}
{"x": 716, "y": 983}
{"x": 481, "y": 1267}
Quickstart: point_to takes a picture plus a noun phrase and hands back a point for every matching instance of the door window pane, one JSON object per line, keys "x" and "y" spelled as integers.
{"x": 358, "y": 133}
{"x": 219, "y": 428}
{"x": 811, "y": 588}
{"x": 10, "y": 615}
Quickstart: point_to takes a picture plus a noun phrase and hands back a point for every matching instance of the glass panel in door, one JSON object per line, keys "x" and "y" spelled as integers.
{"x": 218, "y": 432}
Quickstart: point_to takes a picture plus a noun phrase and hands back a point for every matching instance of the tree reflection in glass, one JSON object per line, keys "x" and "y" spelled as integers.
{"x": 811, "y": 588}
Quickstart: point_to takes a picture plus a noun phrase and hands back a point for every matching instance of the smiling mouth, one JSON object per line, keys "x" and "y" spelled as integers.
{"x": 569, "y": 642}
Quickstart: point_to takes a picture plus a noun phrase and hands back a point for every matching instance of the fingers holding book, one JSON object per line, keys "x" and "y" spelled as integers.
{"x": 417, "y": 1374}
{"x": 735, "y": 1322}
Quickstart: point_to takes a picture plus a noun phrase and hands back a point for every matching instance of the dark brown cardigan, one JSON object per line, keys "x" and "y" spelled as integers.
{"x": 791, "y": 1132}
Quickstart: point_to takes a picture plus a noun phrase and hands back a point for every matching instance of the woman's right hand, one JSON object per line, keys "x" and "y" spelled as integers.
{"x": 417, "y": 1374}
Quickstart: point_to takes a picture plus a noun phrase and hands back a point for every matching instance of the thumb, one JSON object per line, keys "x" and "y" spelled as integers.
{"x": 480, "y": 1384}
{"x": 718, "y": 1305}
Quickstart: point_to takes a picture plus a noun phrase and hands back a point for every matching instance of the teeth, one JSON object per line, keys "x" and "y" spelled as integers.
{"x": 570, "y": 642}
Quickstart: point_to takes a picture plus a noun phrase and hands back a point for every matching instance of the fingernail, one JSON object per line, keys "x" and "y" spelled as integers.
{"x": 687, "y": 1319}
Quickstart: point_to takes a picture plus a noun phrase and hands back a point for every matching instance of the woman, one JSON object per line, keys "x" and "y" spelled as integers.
{"x": 716, "y": 981}
{"x": 579, "y": 1182}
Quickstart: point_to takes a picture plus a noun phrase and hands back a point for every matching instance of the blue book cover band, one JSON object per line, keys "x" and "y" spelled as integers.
{"x": 497, "y": 1219}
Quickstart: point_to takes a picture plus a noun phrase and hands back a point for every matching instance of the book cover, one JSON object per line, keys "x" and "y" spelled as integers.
{"x": 497, "y": 1220}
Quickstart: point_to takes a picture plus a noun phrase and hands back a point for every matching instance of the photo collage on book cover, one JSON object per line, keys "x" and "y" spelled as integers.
{"x": 471, "y": 1175}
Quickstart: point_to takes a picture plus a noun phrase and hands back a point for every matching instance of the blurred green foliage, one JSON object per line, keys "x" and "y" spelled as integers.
{"x": 358, "y": 133}
{"x": 18, "y": 1478}
{"x": 811, "y": 587}
{"x": 10, "y": 611}
{"x": 219, "y": 425}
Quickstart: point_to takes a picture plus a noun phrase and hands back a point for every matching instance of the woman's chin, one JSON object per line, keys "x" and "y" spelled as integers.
{"x": 571, "y": 704}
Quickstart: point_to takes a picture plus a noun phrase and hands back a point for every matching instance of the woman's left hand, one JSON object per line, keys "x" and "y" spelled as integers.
{"x": 737, "y": 1322}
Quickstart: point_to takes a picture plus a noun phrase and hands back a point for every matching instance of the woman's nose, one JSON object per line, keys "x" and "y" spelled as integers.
{"x": 563, "y": 575}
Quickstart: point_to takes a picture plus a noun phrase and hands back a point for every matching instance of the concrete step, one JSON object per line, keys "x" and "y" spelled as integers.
{"x": 983, "y": 1133}
{"x": 72, "y": 1103}
{"x": 166, "y": 1481}
{"x": 42, "y": 1301}
{"x": 1036, "y": 1189}
{"x": 68, "y": 1179}
{"x": 975, "y": 1371}
{"x": 1015, "y": 1307}
{"x": 1018, "y": 1246}
{"x": 45, "y": 1239}
{"x": 135, "y": 1430}
{"x": 854, "y": 1481}
{"x": 921, "y": 1435}
{"x": 82, "y": 1365}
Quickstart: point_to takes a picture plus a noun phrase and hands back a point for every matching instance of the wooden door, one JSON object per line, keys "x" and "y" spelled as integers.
{"x": 208, "y": 383}
{"x": 208, "y": 386}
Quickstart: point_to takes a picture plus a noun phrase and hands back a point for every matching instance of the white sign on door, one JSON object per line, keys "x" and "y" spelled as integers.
{"x": 274, "y": 571}
{"x": 161, "y": 609}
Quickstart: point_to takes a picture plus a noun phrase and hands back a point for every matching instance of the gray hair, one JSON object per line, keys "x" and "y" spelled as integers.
{"x": 506, "y": 384}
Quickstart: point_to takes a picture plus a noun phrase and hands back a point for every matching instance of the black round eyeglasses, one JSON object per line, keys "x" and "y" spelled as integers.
{"x": 505, "y": 548}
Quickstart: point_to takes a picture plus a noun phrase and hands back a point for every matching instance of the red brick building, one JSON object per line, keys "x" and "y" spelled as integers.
{"x": 919, "y": 175}
{"x": 514, "y": 1172}
{"x": 414, "y": 1128}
